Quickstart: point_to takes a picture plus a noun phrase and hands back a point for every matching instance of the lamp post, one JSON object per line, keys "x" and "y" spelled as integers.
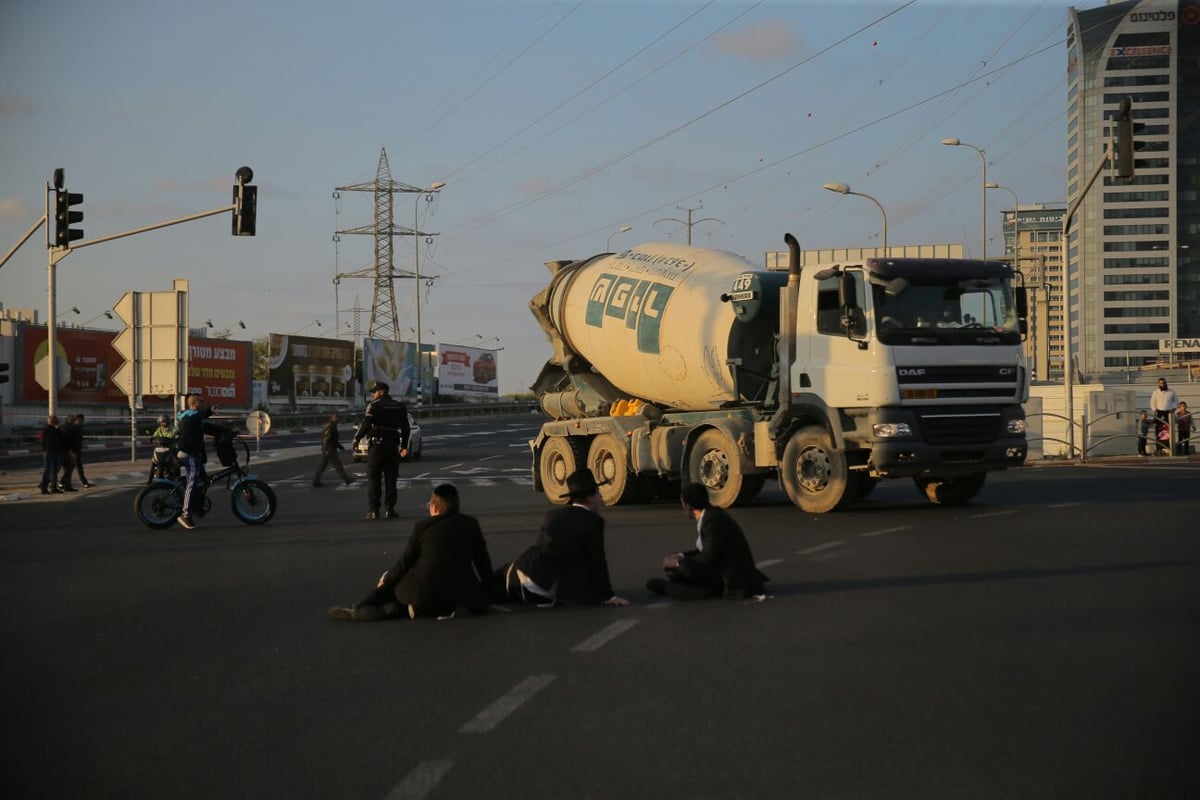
{"x": 844, "y": 188}
{"x": 622, "y": 229}
{"x": 1016, "y": 221}
{"x": 316, "y": 322}
{"x": 433, "y": 187}
{"x": 106, "y": 314}
{"x": 71, "y": 310}
{"x": 954, "y": 142}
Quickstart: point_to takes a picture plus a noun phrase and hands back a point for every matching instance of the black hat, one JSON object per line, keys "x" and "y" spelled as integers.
{"x": 581, "y": 483}
{"x": 379, "y": 386}
{"x": 695, "y": 495}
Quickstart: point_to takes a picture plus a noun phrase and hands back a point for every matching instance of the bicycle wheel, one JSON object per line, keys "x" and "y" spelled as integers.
{"x": 253, "y": 501}
{"x": 158, "y": 505}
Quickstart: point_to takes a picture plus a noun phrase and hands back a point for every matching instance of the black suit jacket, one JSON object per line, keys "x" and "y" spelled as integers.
{"x": 725, "y": 564}
{"x": 444, "y": 566}
{"x": 570, "y": 550}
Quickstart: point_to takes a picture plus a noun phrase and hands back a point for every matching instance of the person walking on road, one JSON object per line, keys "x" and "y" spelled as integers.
{"x": 720, "y": 566}
{"x": 445, "y": 567}
{"x": 330, "y": 445}
{"x": 568, "y": 563}
{"x": 73, "y": 452}
{"x": 51, "y": 455}
{"x": 386, "y": 425}
{"x": 66, "y": 453}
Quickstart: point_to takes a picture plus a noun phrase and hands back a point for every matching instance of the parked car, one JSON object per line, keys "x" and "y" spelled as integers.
{"x": 415, "y": 443}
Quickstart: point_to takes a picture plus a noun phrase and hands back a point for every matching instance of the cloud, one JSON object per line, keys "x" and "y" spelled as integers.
{"x": 764, "y": 41}
{"x": 15, "y": 208}
{"x": 16, "y": 104}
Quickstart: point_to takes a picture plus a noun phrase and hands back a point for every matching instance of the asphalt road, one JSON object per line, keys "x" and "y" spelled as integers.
{"x": 1040, "y": 642}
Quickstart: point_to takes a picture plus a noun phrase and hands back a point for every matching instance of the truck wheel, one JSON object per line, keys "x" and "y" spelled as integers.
{"x": 607, "y": 461}
{"x": 714, "y": 462}
{"x": 813, "y": 472}
{"x": 559, "y": 458}
{"x": 951, "y": 491}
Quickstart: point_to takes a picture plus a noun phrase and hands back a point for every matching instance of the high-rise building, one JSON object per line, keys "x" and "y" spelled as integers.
{"x": 1034, "y": 243}
{"x": 1133, "y": 249}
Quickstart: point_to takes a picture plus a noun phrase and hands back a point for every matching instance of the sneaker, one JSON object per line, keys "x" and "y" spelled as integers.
{"x": 341, "y": 612}
{"x": 69, "y": 489}
{"x": 389, "y": 514}
{"x": 87, "y": 485}
{"x": 372, "y": 515}
{"x": 185, "y": 521}
{"x": 45, "y": 490}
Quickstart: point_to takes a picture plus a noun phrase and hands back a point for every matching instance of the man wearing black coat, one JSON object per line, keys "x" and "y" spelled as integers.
{"x": 385, "y": 426}
{"x": 445, "y": 567}
{"x": 720, "y": 566}
{"x": 330, "y": 445}
{"x": 568, "y": 563}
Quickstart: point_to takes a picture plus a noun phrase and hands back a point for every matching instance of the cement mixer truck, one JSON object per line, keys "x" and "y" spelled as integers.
{"x": 673, "y": 364}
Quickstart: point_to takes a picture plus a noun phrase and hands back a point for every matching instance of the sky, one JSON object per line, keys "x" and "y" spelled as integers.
{"x": 552, "y": 124}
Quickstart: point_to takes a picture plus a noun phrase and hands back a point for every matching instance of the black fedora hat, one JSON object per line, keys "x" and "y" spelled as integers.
{"x": 379, "y": 386}
{"x": 582, "y": 483}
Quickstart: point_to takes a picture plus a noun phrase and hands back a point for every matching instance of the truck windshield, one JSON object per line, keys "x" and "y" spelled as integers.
{"x": 963, "y": 311}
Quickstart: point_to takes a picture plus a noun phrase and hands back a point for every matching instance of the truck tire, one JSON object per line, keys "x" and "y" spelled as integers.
{"x": 714, "y": 461}
{"x": 607, "y": 460}
{"x": 813, "y": 472}
{"x": 560, "y": 456}
{"x": 951, "y": 491}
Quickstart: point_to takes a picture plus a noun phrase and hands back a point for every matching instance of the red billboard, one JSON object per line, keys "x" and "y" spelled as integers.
{"x": 218, "y": 368}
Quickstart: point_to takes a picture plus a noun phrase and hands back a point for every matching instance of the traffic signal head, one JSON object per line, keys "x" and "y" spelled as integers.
{"x": 65, "y": 218}
{"x": 245, "y": 203}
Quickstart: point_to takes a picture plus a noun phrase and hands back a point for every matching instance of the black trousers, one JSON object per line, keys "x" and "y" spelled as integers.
{"x": 383, "y": 466}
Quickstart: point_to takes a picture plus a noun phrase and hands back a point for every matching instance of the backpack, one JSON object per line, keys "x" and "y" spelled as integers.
{"x": 226, "y": 453}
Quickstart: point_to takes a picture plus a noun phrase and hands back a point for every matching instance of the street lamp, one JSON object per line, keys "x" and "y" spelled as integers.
{"x": 433, "y": 187}
{"x": 1016, "y": 208}
{"x": 71, "y": 310}
{"x": 106, "y": 314}
{"x": 953, "y": 142}
{"x": 844, "y": 188}
{"x": 316, "y": 322}
{"x": 622, "y": 229}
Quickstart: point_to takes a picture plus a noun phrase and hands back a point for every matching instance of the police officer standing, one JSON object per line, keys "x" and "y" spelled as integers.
{"x": 385, "y": 427}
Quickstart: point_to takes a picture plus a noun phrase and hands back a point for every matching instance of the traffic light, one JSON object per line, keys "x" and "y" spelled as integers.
{"x": 1127, "y": 144}
{"x": 64, "y": 217}
{"x": 245, "y": 202}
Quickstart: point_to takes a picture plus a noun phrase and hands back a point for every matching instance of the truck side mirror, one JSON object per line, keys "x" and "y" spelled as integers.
{"x": 1022, "y": 302}
{"x": 847, "y": 291}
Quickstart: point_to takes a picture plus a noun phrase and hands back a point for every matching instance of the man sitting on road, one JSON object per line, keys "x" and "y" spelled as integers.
{"x": 445, "y": 567}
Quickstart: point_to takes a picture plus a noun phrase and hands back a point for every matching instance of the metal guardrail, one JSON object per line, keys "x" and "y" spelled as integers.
{"x": 1085, "y": 427}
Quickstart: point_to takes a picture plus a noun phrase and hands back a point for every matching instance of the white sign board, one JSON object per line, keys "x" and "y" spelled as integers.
{"x": 154, "y": 342}
{"x": 1179, "y": 345}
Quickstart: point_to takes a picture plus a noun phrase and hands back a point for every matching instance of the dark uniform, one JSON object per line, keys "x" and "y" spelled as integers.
{"x": 385, "y": 427}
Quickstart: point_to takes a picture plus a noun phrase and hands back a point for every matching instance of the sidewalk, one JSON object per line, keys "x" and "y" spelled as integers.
{"x": 22, "y": 484}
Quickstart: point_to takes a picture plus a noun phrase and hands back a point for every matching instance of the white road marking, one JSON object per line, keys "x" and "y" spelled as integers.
{"x": 421, "y": 781}
{"x": 1064, "y": 505}
{"x": 494, "y": 714}
{"x": 770, "y": 562}
{"x": 489, "y": 458}
{"x": 808, "y": 551}
{"x": 606, "y": 635}
{"x": 882, "y": 531}
{"x": 994, "y": 514}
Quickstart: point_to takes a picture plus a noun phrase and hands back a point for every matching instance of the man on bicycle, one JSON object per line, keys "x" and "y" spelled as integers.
{"x": 193, "y": 426}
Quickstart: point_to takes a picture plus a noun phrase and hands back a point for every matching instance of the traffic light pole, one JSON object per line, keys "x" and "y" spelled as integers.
{"x": 57, "y": 254}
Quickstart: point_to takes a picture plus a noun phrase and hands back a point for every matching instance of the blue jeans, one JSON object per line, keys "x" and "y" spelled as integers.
{"x": 193, "y": 481}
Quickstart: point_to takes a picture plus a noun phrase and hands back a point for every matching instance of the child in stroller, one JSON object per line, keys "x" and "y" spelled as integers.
{"x": 163, "y": 462}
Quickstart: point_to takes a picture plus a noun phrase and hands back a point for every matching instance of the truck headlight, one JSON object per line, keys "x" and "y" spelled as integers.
{"x": 1016, "y": 426}
{"x": 891, "y": 430}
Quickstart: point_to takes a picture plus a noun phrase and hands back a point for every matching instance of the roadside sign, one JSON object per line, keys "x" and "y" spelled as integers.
{"x": 258, "y": 423}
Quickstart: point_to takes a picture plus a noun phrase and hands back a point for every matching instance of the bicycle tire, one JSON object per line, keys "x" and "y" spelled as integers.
{"x": 159, "y": 504}
{"x": 253, "y": 501}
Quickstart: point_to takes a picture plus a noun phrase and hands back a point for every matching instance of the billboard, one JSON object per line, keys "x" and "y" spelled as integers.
{"x": 219, "y": 369}
{"x": 310, "y": 371}
{"x": 467, "y": 372}
{"x": 394, "y": 363}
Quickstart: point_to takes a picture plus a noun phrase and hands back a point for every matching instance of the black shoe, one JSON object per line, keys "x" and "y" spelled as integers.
{"x": 56, "y": 490}
{"x": 69, "y": 489}
{"x": 45, "y": 490}
{"x": 372, "y": 515}
{"x": 87, "y": 485}
{"x": 657, "y": 585}
{"x": 389, "y": 514}
{"x": 367, "y": 614}
{"x": 341, "y": 612}
{"x": 317, "y": 484}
